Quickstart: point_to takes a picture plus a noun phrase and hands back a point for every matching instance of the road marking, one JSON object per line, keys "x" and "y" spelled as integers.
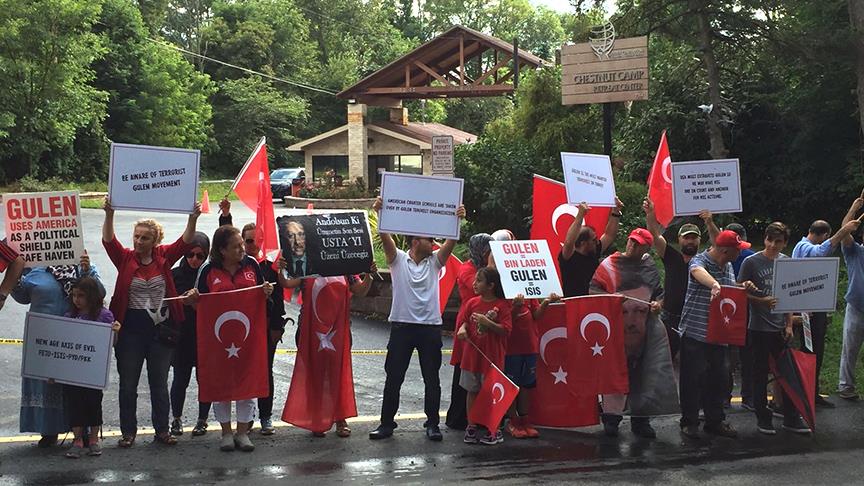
{"x": 214, "y": 426}
{"x": 355, "y": 352}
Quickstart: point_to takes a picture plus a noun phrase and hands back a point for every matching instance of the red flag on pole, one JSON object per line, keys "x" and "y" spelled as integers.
{"x": 322, "y": 386}
{"x": 252, "y": 187}
{"x": 727, "y": 317}
{"x": 232, "y": 346}
{"x": 494, "y": 398}
{"x": 447, "y": 280}
{"x": 552, "y": 216}
{"x": 597, "y": 359}
{"x": 554, "y": 405}
{"x": 660, "y": 183}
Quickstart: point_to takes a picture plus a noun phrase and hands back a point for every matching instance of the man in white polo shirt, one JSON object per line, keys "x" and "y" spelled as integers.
{"x": 415, "y": 324}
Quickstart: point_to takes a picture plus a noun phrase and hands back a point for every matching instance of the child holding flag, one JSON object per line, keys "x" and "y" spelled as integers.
{"x": 484, "y": 324}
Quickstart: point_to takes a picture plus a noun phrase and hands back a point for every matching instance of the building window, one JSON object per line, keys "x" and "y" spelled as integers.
{"x": 323, "y": 163}
{"x": 410, "y": 164}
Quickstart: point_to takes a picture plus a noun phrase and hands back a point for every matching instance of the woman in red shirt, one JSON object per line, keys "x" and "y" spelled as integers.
{"x": 230, "y": 268}
{"x": 144, "y": 280}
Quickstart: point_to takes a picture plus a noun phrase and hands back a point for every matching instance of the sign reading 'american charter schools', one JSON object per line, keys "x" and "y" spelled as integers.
{"x": 621, "y": 75}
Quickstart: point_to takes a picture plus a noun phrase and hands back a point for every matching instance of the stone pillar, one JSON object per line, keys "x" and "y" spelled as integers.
{"x": 358, "y": 154}
{"x": 426, "y": 159}
{"x": 399, "y": 116}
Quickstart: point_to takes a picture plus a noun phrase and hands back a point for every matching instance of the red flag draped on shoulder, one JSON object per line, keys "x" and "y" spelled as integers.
{"x": 322, "y": 386}
{"x": 660, "y": 184}
{"x": 552, "y": 216}
{"x": 554, "y": 405}
{"x": 597, "y": 361}
{"x": 232, "y": 346}
{"x": 252, "y": 187}
{"x": 727, "y": 317}
{"x": 494, "y": 398}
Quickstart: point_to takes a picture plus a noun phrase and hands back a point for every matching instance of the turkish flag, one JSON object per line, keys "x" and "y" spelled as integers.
{"x": 494, "y": 398}
{"x": 660, "y": 184}
{"x": 727, "y": 317}
{"x": 447, "y": 280}
{"x": 322, "y": 386}
{"x": 554, "y": 404}
{"x": 252, "y": 187}
{"x": 552, "y": 216}
{"x": 597, "y": 360}
{"x": 232, "y": 346}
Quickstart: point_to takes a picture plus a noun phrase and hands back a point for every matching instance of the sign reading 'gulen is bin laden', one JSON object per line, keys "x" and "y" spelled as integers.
{"x": 605, "y": 72}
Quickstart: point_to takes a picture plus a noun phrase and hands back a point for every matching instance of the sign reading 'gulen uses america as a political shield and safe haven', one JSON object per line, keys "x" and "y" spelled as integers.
{"x": 67, "y": 350}
{"x": 526, "y": 268}
{"x": 45, "y": 227}
{"x": 325, "y": 244}
{"x": 160, "y": 179}
{"x": 619, "y": 73}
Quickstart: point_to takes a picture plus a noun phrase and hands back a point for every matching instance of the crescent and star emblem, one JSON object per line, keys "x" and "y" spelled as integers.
{"x": 233, "y": 350}
{"x": 666, "y": 169}
{"x": 728, "y": 317}
{"x": 561, "y": 210}
{"x": 325, "y": 339}
{"x": 497, "y": 387}
{"x": 586, "y": 321}
{"x": 548, "y": 336}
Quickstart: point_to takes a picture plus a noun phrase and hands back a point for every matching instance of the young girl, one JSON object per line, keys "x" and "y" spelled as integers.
{"x": 485, "y": 322}
{"x": 84, "y": 405}
{"x": 520, "y": 362}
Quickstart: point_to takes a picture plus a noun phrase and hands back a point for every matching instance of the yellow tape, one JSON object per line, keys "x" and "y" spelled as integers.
{"x": 11, "y": 341}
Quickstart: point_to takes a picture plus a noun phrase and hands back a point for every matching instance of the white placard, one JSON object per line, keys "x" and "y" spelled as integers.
{"x": 160, "y": 179}
{"x": 420, "y": 205}
{"x": 72, "y": 351}
{"x": 526, "y": 268}
{"x": 588, "y": 178}
{"x": 714, "y": 185}
{"x": 45, "y": 227}
{"x": 442, "y": 154}
{"x": 806, "y": 284}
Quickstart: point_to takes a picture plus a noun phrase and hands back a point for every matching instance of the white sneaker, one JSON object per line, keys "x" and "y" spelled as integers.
{"x": 227, "y": 443}
{"x": 243, "y": 443}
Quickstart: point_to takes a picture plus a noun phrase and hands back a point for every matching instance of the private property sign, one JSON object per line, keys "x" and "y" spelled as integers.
{"x": 442, "y": 155}
{"x": 617, "y": 74}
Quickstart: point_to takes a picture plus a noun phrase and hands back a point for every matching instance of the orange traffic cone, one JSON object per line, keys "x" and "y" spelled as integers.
{"x": 205, "y": 203}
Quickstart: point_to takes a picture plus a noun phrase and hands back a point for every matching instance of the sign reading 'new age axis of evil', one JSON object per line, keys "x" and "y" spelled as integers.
{"x": 326, "y": 244}
{"x": 619, "y": 74}
{"x": 526, "y": 268}
{"x": 806, "y": 284}
{"x": 160, "y": 179}
{"x": 45, "y": 227}
{"x": 714, "y": 185}
{"x": 588, "y": 178}
{"x": 420, "y": 205}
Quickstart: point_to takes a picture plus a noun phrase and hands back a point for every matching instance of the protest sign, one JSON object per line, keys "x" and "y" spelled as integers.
{"x": 72, "y": 351}
{"x": 442, "y": 155}
{"x": 805, "y": 284}
{"x": 420, "y": 205}
{"x": 153, "y": 178}
{"x": 45, "y": 227}
{"x": 325, "y": 244}
{"x": 526, "y": 268}
{"x": 714, "y": 185}
{"x": 588, "y": 178}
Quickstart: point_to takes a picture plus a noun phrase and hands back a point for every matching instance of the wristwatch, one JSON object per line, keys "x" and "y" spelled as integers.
{"x": 615, "y": 215}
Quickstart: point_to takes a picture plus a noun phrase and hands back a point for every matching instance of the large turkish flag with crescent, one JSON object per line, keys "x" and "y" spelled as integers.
{"x": 232, "y": 346}
{"x": 597, "y": 359}
{"x": 727, "y": 317}
{"x": 493, "y": 399}
{"x": 552, "y": 216}
{"x": 322, "y": 386}
{"x": 554, "y": 404}
{"x": 660, "y": 184}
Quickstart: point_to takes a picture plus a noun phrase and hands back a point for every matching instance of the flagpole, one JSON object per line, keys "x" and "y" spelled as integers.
{"x": 244, "y": 289}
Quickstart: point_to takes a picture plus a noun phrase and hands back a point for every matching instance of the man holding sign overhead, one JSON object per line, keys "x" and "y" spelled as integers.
{"x": 581, "y": 251}
{"x": 416, "y": 324}
{"x": 853, "y": 322}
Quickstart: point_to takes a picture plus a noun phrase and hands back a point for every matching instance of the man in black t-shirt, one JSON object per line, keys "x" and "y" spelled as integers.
{"x": 676, "y": 265}
{"x": 581, "y": 252}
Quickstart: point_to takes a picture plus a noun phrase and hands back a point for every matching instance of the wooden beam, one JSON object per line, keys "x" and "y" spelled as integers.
{"x": 492, "y": 71}
{"x": 462, "y": 59}
{"x": 441, "y": 90}
{"x": 407, "y": 75}
{"x": 431, "y": 72}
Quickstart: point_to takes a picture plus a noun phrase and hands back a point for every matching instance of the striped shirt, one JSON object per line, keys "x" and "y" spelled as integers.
{"x": 694, "y": 315}
{"x": 147, "y": 289}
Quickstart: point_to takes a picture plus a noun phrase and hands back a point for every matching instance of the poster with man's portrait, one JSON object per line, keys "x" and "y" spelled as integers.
{"x": 325, "y": 244}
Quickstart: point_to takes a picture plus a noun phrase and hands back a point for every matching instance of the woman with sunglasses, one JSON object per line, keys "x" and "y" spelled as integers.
{"x": 185, "y": 356}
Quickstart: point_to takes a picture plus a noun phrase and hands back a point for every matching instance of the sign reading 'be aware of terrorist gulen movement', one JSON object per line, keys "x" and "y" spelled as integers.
{"x": 526, "y": 268}
{"x": 45, "y": 227}
{"x": 806, "y": 284}
{"x": 158, "y": 179}
{"x": 714, "y": 185}
{"x": 420, "y": 205}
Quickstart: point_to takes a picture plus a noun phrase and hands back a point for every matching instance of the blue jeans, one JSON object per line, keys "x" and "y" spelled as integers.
{"x": 135, "y": 346}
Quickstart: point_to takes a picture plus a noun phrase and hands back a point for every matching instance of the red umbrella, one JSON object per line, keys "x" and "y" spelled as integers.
{"x": 796, "y": 372}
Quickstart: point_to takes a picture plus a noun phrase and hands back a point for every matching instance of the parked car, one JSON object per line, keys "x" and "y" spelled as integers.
{"x": 282, "y": 181}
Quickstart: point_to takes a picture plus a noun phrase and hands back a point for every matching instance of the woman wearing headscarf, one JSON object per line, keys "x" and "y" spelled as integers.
{"x": 479, "y": 252}
{"x": 47, "y": 291}
{"x": 185, "y": 355}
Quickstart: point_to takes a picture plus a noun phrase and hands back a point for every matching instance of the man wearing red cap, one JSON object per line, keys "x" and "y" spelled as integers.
{"x": 634, "y": 274}
{"x": 703, "y": 365}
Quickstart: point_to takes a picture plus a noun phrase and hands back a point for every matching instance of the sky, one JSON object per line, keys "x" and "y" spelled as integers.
{"x": 564, "y": 5}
